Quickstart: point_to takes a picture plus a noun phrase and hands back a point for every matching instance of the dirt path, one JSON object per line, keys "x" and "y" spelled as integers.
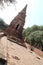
{"x": 18, "y": 55}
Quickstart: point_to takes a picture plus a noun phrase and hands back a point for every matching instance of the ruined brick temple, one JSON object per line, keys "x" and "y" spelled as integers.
{"x": 15, "y": 29}
{"x": 12, "y": 53}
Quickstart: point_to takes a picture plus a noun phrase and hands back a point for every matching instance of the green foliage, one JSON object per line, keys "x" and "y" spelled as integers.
{"x": 28, "y": 31}
{"x": 34, "y": 36}
{"x": 3, "y": 25}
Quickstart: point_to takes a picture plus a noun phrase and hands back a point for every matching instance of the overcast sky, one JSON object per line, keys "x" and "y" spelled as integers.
{"x": 34, "y": 14}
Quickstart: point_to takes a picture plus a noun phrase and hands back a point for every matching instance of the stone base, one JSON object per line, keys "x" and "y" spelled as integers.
{"x": 17, "y": 41}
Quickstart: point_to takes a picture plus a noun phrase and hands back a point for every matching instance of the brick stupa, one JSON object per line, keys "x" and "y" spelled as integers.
{"x": 15, "y": 29}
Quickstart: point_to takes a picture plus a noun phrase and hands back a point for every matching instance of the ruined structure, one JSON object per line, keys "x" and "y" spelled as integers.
{"x": 14, "y": 54}
{"x": 15, "y": 29}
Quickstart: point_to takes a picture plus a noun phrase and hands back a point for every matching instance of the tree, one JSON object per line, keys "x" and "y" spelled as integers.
{"x": 6, "y": 1}
{"x": 29, "y": 30}
{"x": 34, "y": 28}
{"x": 34, "y": 36}
{"x": 36, "y": 39}
{"x": 26, "y": 32}
{"x": 2, "y": 2}
{"x": 3, "y": 25}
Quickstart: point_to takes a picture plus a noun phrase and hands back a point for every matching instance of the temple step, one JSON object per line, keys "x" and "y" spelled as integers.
{"x": 17, "y": 42}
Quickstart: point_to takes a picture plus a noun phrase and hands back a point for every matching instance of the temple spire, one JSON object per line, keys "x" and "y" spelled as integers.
{"x": 15, "y": 29}
{"x": 21, "y": 16}
{"x": 24, "y": 9}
